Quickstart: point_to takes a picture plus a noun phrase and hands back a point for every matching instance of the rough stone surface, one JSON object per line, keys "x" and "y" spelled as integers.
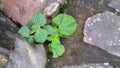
{"x": 20, "y": 54}
{"x": 92, "y": 65}
{"x": 26, "y": 56}
{"x": 115, "y": 4}
{"x": 103, "y": 30}
{"x": 3, "y": 60}
{"x": 52, "y": 1}
{"x": 52, "y": 9}
{"x": 22, "y": 10}
{"x": 78, "y": 52}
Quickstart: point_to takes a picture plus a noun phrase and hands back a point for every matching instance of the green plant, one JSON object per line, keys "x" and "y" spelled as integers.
{"x": 63, "y": 25}
{"x": 38, "y": 31}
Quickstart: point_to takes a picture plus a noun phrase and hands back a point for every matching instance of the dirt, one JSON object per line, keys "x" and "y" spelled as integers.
{"x": 77, "y": 51}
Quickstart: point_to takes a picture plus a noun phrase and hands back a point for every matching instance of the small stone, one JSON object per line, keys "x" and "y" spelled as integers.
{"x": 3, "y": 60}
{"x": 52, "y": 9}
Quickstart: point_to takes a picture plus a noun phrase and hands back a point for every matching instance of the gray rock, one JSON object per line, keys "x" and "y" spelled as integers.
{"x": 20, "y": 54}
{"x": 26, "y": 56}
{"x": 91, "y": 65}
{"x": 115, "y": 4}
{"x": 52, "y": 9}
{"x": 103, "y": 30}
{"x": 52, "y": 1}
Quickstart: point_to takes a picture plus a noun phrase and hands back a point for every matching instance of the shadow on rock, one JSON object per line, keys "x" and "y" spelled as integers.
{"x": 18, "y": 52}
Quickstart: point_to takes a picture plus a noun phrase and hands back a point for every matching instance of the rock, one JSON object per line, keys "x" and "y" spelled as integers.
{"x": 78, "y": 52}
{"x": 92, "y": 65}
{"x": 20, "y": 54}
{"x": 22, "y": 10}
{"x": 103, "y": 30}
{"x": 26, "y": 56}
{"x": 3, "y": 60}
{"x": 52, "y": 9}
{"x": 115, "y": 4}
{"x": 52, "y": 1}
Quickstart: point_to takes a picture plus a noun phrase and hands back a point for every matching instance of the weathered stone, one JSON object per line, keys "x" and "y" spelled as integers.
{"x": 92, "y": 65}
{"x": 52, "y": 9}
{"x": 22, "y": 10}
{"x": 20, "y": 54}
{"x": 52, "y": 1}
{"x": 78, "y": 52}
{"x": 26, "y": 56}
{"x": 115, "y": 4}
{"x": 103, "y": 30}
{"x": 3, "y": 60}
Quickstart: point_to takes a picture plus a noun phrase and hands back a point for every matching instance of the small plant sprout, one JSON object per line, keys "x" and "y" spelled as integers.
{"x": 37, "y": 31}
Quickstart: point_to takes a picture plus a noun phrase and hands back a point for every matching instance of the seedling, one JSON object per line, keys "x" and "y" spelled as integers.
{"x": 37, "y": 31}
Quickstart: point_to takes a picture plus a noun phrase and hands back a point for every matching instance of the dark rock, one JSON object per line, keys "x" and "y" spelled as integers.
{"x": 20, "y": 54}
{"x": 77, "y": 51}
{"x": 103, "y": 30}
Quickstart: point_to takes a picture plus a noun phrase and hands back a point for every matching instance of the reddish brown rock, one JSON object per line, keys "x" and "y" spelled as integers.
{"x": 22, "y": 10}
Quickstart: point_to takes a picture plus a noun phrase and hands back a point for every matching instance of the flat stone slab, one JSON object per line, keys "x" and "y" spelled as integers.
{"x": 115, "y": 4}
{"x": 92, "y": 65}
{"x": 103, "y": 30}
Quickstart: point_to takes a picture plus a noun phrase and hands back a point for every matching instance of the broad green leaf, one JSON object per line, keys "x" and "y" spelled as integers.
{"x": 67, "y": 24}
{"x": 56, "y": 48}
{"x": 32, "y": 32}
{"x": 24, "y": 31}
{"x": 55, "y": 31}
{"x": 38, "y": 18}
{"x": 53, "y": 38}
{"x": 49, "y": 29}
{"x": 35, "y": 27}
{"x": 29, "y": 24}
{"x": 30, "y": 39}
{"x": 40, "y": 36}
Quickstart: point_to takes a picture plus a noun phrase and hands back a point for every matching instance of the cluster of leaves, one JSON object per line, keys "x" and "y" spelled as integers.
{"x": 37, "y": 31}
